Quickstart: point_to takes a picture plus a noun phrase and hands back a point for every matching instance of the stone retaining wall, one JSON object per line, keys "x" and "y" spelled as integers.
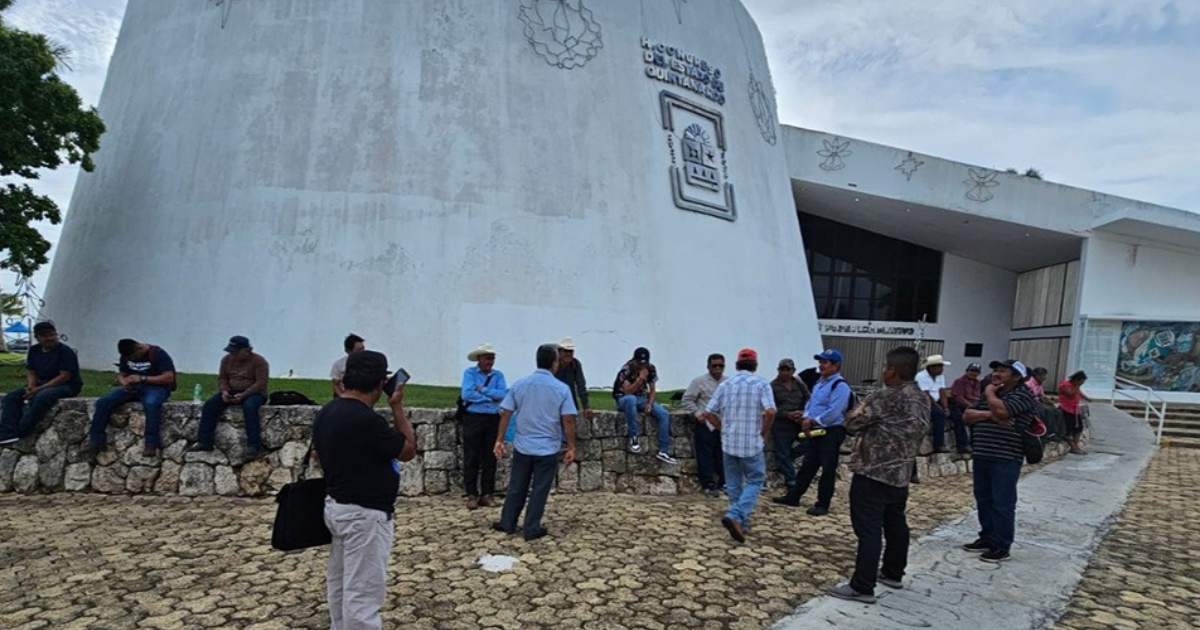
{"x": 50, "y": 460}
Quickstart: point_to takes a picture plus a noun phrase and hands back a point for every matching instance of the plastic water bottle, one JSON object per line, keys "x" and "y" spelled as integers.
{"x": 196, "y": 391}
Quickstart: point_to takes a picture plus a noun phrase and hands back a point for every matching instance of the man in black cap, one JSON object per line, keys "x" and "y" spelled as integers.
{"x": 634, "y": 390}
{"x": 360, "y": 456}
{"x": 241, "y": 380}
{"x": 146, "y": 373}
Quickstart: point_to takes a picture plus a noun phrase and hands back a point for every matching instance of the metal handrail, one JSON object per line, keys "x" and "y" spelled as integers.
{"x": 1160, "y": 412}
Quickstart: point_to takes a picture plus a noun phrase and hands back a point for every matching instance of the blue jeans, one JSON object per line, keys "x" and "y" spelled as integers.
{"x": 996, "y": 497}
{"x": 531, "y": 476}
{"x": 19, "y": 418}
{"x": 633, "y": 405}
{"x": 152, "y": 398}
{"x": 211, "y": 412}
{"x": 743, "y": 481}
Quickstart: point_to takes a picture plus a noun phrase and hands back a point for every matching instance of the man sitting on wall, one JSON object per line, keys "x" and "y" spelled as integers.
{"x": 51, "y": 374}
{"x": 352, "y": 343}
{"x": 634, "y": 391}
{"x": 964, "y": 393}
{"x": 932, "y": 381}
{"x": 241, "y": 380}
{"x": 706, "y": 437}
{"x": 146, "y": 374}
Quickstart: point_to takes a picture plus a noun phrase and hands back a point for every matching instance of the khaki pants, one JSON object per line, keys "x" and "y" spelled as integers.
{"x": 356, "y": 576}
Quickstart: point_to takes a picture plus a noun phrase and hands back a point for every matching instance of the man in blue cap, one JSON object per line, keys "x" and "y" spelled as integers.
{"x": 241, "y": 381}
{"x": 824, "y": 414}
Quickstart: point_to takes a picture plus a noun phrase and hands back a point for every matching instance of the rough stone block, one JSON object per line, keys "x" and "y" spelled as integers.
{"x": 614, "y": 461}
{"x": 412, "y": 477}
{"x": 174, "y": 452}
{"x": 292, "y": 454}
{"x": 274, "y": 429}
{"x": 49, "y": 445}
{"x": 447, "y": 436}
{"x": 140, "y": 479}
{"x": 436, "y": 482}
{"x": 8, "y": 461}
{"x": 588, "y": 450}
{"x": 212, "y": 458}
{"x": 50, "y": 471}
{"x": 591, "y": 476}
{"x": 426, "y": 436}
{"x": 25, "y": 474}
{"x": 168, "y": 478}
{"x": 109, "y": 479}
{"x": 78, "y": 477}
{"x": 225, "y": 482}
{"x": 439, "y": 460}
{"x": 568, "y": 478}
{"x": 196, "y": 479}
{"x": 253, "y": 476}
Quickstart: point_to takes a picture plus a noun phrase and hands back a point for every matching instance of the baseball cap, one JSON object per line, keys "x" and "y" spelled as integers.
{"x": 974, "y": 367}
{"x": 237, "y": 342}
{"x": 829, "y": 355}
{"x": 747, "y": 354}
{"x": 641, "y": 354}
{"x": 1011, "y": 364}
{"x": 368, "y": 363}
{"x": 787, "y": 363}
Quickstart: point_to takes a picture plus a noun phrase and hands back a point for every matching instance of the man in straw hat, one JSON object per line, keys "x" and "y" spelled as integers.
{"x": 483, "y": 388}
{"x": 932, "y": 381}
{"x": 570, "y": 372}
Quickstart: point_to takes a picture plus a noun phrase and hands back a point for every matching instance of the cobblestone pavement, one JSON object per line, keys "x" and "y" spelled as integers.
{"x": 1146, "y": 573}
{"x": 612, "y": 561}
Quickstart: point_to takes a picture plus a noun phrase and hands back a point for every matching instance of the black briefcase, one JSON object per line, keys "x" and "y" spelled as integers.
{"x": 300, "y": 514}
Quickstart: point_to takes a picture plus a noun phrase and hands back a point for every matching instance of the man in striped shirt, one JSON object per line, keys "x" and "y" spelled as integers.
{"x": 742, "y": 409}
{"x": 1005, "y": 409}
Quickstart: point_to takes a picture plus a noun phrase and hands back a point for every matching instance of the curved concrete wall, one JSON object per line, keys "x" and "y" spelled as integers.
{"x": 430, "y": 176}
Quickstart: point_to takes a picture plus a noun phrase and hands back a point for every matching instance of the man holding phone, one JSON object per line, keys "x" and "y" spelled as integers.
{"x": 242, "y": 381}
{"x": 546, "y": 416}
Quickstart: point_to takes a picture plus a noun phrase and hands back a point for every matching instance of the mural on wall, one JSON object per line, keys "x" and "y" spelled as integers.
{"x": 565, "y": 33}
{"x": 1161, "y": 355}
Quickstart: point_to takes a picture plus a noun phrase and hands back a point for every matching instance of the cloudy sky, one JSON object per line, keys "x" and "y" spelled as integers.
{"x": 1102, "y": 94}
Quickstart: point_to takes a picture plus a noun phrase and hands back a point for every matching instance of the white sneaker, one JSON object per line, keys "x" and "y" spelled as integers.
{"x": 634, "y": 447}
{"x": 9, "y": 440}
{"x": 664, "y": 457}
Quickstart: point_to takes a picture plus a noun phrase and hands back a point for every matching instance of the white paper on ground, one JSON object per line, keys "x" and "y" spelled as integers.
{"x": 496, "y": 564}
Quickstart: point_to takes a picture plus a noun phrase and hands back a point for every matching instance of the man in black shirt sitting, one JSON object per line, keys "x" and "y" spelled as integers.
{"x": 51, "y": 374}
{"x": 360, "y": 456}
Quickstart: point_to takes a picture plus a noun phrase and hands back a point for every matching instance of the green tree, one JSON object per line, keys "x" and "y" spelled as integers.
{"x": 42, "y": 123}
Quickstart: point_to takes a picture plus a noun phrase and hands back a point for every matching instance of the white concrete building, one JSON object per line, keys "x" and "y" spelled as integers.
{"x": 432, "y": 176}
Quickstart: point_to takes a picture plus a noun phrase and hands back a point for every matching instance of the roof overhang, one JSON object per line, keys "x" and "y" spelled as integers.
{"x": 1168, "y": 226}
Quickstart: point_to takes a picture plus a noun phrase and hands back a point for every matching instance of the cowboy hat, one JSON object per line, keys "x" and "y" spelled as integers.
{"x": 485, "y": 348}
{"x": 566, "y": 343}
{"x": 935, "y": 359}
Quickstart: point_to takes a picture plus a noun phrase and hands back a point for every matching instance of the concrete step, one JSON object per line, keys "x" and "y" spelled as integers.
{"x": 1176, "y": 442}
{"x": 1177, "y": 432}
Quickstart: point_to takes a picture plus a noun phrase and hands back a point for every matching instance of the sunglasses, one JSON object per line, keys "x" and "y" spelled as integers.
{"x": 717, "y": 365}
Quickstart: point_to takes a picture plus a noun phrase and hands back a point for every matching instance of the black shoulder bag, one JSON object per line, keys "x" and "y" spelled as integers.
{"x": 300, "y": 515}
{"x": 460, "y": 405}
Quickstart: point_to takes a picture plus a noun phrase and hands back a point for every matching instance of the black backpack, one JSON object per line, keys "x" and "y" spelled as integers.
{"x": 287, "y": 398}
{"x": 851, "y": 402}
{"x": 460, "y": 405}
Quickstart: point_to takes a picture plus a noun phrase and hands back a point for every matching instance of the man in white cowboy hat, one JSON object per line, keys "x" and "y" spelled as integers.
{"x": 932, "y": 381}
{"x": 483, "y": 388}
{"x": 570, "y": 372}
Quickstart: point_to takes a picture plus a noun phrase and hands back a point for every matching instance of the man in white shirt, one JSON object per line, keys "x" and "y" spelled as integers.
{"x": 932, "y": 381}
{"x": 352, "y": 343}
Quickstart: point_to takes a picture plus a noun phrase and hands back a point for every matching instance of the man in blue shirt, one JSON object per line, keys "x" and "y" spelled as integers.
{"x": 823, "y": 415}
{"x": 546, "y": 416}
{"x": 483, "y": 388}
{"x": 146, "y": 374}
{"x": 51, "y": 374}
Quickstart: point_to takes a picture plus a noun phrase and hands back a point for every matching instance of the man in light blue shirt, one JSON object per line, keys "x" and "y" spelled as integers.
{"x": 547, "y": 415}
{"x": 822, "y": 426}
{"x": 483, "y": 388}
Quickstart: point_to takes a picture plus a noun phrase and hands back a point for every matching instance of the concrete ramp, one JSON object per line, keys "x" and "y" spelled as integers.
{"x": 1063, "y": 513}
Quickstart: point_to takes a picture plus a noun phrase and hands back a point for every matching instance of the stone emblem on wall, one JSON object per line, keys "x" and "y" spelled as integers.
{"x": 699, "y": 172}
{"x": 764, "y": 110}
{"x": 978, "y": 182}
{"x": 564, "y": 33}
{"x": 835, "y": 153}
{"x": 909, "y": 166}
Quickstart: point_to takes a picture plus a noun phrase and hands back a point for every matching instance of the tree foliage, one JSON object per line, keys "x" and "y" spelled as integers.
{"x": 42, "y": 124}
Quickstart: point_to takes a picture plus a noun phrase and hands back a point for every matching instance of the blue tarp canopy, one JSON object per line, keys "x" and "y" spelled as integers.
{"x": 18, "y": 328}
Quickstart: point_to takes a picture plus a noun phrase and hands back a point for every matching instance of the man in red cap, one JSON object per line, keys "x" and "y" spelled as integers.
{"x": 742, "y": 408}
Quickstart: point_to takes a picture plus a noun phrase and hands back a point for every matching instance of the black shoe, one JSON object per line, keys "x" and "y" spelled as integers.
{"x": 536, "y": 534}
{"x": 979, "y": 546}
{"x": 735, "y": 529}
{"x": 890, "y": 582}
{"x": 90, "y": 451}
{"x": 252, "y": 453}
{"x": 817, "y": 510}
{"x": 995, "y": 556}
{"x": 786, "y": 500}
{"x": 500, "y": 528}
{"x": 200, "y": 448}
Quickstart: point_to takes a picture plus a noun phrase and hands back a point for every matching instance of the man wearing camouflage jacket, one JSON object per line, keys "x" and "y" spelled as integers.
{"x": 890, "y": 425}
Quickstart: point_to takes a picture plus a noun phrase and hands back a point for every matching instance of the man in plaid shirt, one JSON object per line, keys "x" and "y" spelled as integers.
{"x": 742, "y": 408}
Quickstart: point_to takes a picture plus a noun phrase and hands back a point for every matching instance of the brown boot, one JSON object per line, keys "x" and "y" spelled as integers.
{"x": 472, "y": 503}
{"x": 486, "y": 501}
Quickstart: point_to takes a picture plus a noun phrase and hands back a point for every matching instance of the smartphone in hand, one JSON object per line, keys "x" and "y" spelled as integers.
{"x": 399, "y": 378}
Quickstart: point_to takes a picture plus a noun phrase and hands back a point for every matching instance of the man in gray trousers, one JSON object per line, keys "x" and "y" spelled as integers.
{"x": 360, "y": 456}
